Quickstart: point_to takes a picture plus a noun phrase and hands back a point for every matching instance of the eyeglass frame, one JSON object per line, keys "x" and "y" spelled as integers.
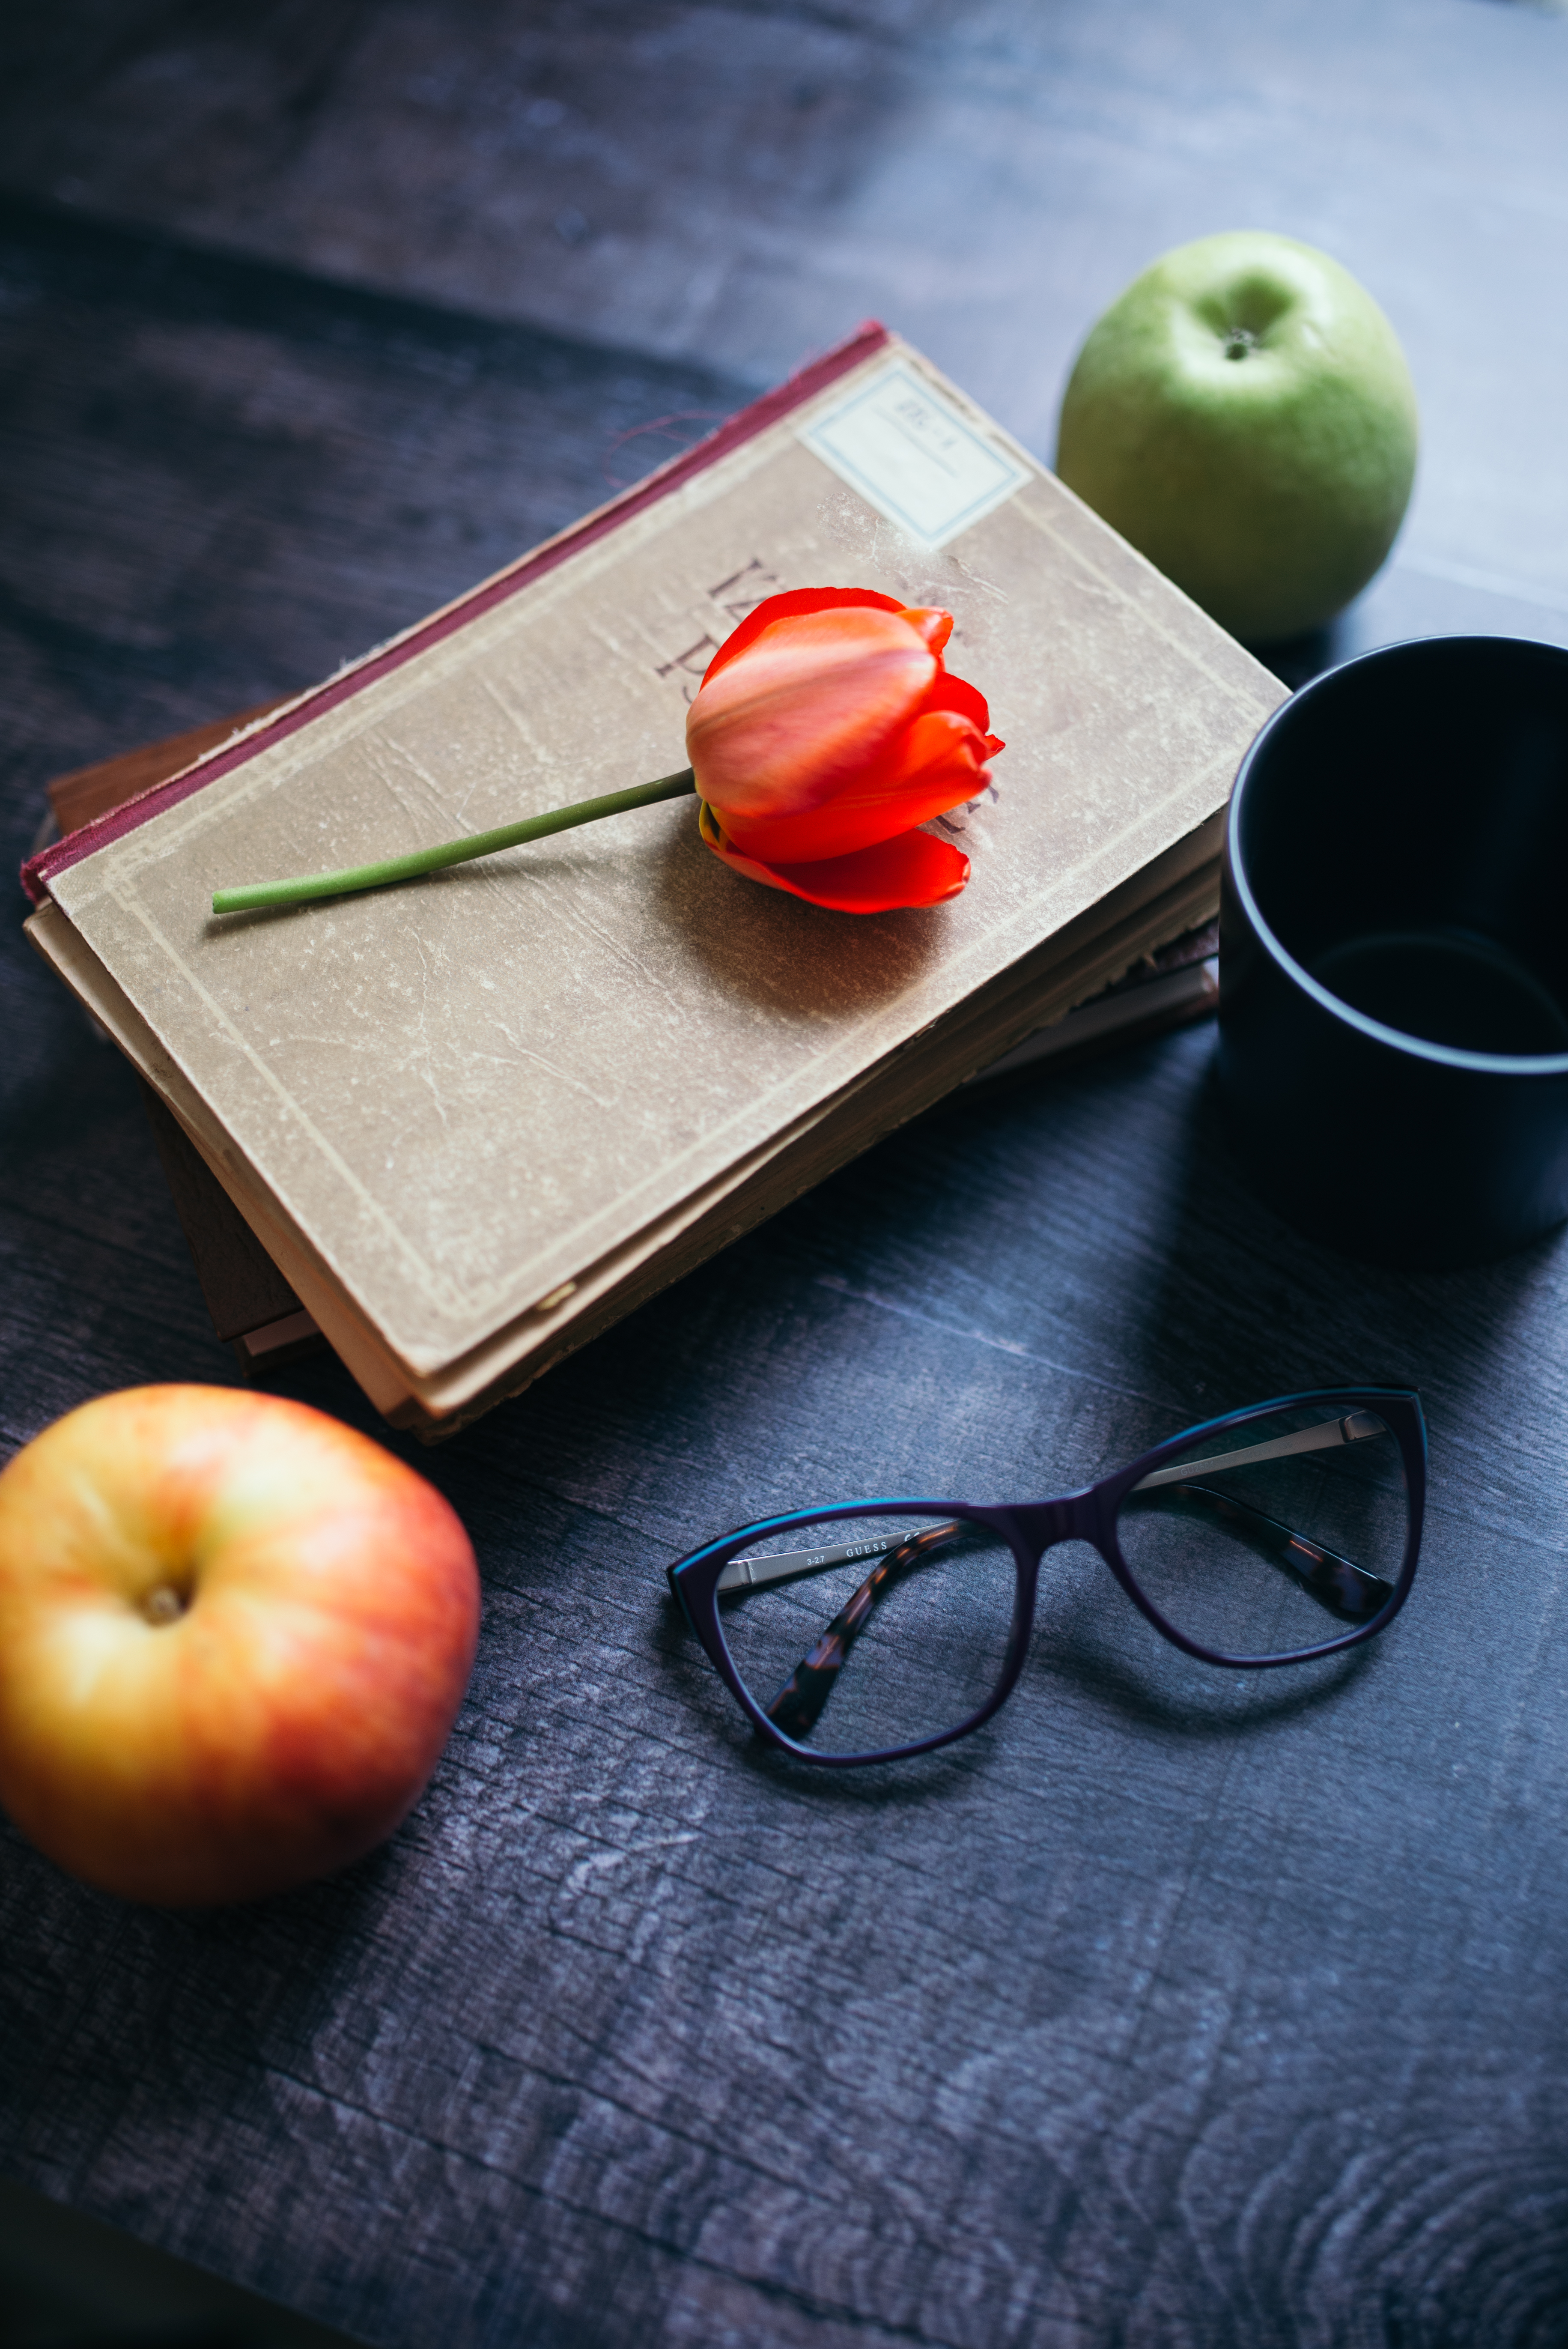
{"x": 1031, "y": 1528}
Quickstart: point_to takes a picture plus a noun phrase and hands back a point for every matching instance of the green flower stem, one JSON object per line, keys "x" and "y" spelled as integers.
{"x": 454, "y": 852}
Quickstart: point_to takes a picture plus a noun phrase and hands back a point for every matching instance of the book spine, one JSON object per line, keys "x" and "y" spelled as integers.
{"x": 864, "y": 343}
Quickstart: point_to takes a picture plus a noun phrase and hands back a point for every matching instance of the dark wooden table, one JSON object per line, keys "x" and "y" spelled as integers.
{"x": 1175, "y": 2008}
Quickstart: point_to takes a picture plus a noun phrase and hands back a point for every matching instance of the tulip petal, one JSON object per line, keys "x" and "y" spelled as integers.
{"x": 914, "y": 869}
{"x": 797, "y": 599}
{"x": 931, "y": 624}
{"x": 938, "y": 763}
{"x": 826, "y": 730}
{"x": 819, "y": 697}
{"x": 946, "y": 692}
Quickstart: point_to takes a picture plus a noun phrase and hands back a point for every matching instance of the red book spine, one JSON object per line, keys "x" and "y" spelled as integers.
{"x": 866, "y": 341}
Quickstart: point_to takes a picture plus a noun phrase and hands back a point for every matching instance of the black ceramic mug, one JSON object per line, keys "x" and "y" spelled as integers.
{"x": 1394, "y": 951}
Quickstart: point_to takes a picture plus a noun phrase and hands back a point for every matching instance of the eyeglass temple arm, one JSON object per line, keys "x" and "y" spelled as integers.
{"x": 787, "y": 1566}
{"x": 1355, "y": 1427}
{"x": 1347, "y": 1590}
{"x": 799, "y": 1704}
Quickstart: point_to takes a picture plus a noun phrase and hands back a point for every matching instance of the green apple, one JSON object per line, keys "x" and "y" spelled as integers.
{"x": 1245, "y": 416}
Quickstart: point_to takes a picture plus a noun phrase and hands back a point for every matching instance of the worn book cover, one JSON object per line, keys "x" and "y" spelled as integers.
{"x": 474, "y": 1117}
{"x": 252, "y": 1307}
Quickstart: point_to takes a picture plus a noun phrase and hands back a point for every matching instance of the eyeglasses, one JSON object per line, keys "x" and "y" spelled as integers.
{"x": 1274, "y": 1535}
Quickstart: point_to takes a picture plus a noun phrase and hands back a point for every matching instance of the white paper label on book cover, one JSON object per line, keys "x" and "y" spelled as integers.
{"x": 462, "y": 1095}
{"x": 915, "y": 457}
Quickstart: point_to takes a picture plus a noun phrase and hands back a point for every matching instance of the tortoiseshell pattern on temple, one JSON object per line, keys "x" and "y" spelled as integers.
{"x": 1179, "y": 1488}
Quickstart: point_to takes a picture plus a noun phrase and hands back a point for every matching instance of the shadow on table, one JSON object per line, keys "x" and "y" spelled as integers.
{"x": 1296, "y": 660}
{"x": 71, "y": 2282}
{"x": 1103, "y": 1651}
{"x": 1119, "y": 1664}
{"x": 1209, "y": 1301}
{"x": 1242, "y": 1305}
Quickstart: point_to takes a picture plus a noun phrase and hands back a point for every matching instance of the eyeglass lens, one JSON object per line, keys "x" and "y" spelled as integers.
{"x": 1280, "y": 1534}
{"x": 883, "y": 1631}
{"x": 864, "y": 1633}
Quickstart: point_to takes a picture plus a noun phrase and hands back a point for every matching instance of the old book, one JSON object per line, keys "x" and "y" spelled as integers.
{"x": 475, "y": 1119}
{"x": 252, "y": 1307}
{"x": 87, "y": 792}
{"x": 243, "y": 1289}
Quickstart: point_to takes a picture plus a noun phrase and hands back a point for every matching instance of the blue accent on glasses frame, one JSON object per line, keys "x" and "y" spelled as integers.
{"x": 1028, "y": 1529}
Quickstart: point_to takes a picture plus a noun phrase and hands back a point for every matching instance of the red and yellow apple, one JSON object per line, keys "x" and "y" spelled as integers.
{"x": 234, "y": 1638}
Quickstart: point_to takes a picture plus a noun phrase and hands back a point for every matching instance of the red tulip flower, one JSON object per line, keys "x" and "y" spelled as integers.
{"x": 825, "y": 733}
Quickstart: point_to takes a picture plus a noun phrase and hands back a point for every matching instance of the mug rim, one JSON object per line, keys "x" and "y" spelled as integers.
{"x": 1447, "y": 1056}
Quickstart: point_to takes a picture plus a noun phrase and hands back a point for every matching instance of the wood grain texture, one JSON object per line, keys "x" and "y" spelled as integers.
{"x": 1172, "y": 2007}
{"x": 222, "y": 480}
{"x": 1175, "y": 2011}
{"x": 745, "y": 179}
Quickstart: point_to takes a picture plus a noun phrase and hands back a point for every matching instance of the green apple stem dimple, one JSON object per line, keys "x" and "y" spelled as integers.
{"x": 164, "y": 1604}
{"x": 1270, "y": 491}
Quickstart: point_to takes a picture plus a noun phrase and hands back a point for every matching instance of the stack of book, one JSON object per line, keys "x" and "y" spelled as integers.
{"x": 461, "y": 1126}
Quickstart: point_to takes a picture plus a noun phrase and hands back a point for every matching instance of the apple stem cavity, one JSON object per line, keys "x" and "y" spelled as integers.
{"x": 164, "y": 1604}
{"x": 1239, "y": 341}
